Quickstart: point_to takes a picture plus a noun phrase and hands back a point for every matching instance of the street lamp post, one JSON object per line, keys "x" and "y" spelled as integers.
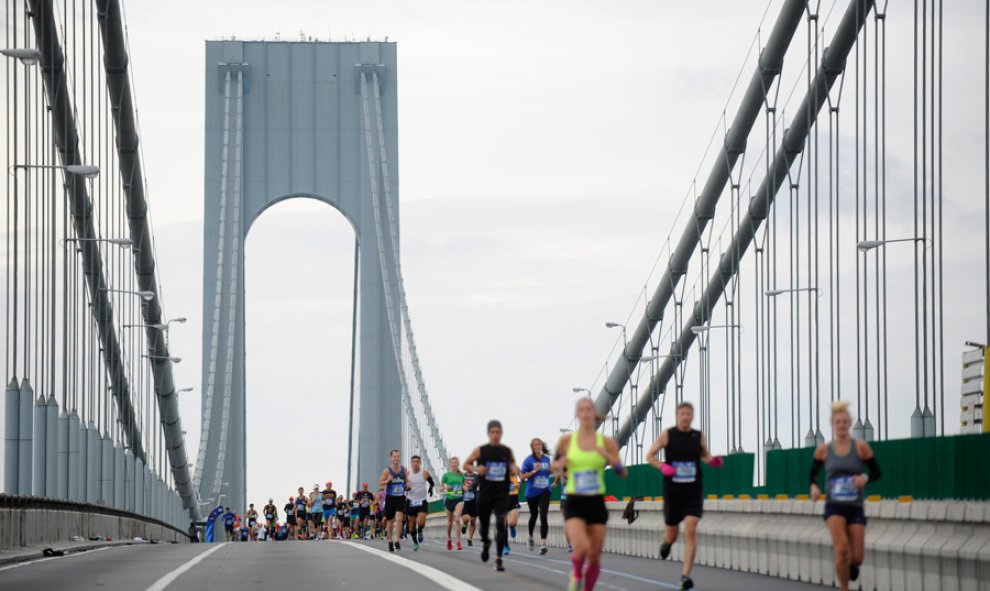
{"x": 145, "y": 295}
{"x": 163, "y": 358}
{"x": 28, "y": 56}
{"x": 922, "y": 422}
{"x": 87, "y": 171}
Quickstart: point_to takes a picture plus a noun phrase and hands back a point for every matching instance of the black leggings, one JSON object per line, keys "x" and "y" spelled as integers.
{"x": 488, "y": 504}
{"x": 538, "y": 507}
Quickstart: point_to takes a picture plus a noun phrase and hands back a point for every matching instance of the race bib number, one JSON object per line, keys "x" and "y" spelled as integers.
{"x": 841, "y": 490}
{"x": 456, "y": 489}
{"x": 687, "y": 472}
{"x": 269, "y": 516}
{"x": 586, "y": 483}
{"x": 415, "y": 503}
{"x": 396, "y": 489}
{"x": 496, "y": 471}
{"x": 469, "y": 495}
{"x": 541, "y": 482}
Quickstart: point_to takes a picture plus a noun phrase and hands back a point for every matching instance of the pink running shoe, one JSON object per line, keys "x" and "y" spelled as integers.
{"x": 459, "y": 547}
{"x": 450, "y": 546}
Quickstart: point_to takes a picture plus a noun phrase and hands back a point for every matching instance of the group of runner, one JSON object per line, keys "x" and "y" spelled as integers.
{"x": 486, "y": 484}
{"x": 490, "y": 479}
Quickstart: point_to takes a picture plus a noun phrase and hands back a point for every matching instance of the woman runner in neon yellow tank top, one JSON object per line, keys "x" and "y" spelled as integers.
{"x": 585, "y": 454}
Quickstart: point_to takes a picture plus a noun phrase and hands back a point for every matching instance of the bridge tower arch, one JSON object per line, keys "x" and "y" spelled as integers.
{"x": 286, "y": 120}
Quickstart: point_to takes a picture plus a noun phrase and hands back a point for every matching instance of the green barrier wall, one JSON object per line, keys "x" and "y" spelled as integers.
{"x": 954, "y": 467}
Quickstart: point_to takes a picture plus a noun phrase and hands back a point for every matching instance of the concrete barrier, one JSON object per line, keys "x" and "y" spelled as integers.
{"x": 28, "y": 522}
{"x": 920, "y": 545}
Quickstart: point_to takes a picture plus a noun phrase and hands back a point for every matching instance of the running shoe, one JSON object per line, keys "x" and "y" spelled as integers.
{"x": 686, "y": 583}
{"x": 391, "y": 547}
{"x": 415, "y": 546}
{"x": 450, "y": 545}
{"x": 498, "y": 565}
{"x": 459, "y": 547}
{"x": 463, "y": 528}
{"x": 485, "y": 547}
{"x": 397, "y": 546}
{"x": 512, "y": 530}
{"x": 470, "y": 542}
{"x": 570, "y": 548}
{"x": 531, "y": 543}
{"x": 575, "y": 584}
{"x": 664, "y": 551}
{"x": 853, "y": 572}
{"x": 544, "y": 550}
{"x": 505, "y": 551}
{"x": 420, "y": 536}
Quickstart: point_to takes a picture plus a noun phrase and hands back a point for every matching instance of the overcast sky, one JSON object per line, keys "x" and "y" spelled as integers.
{"x": 545, "y": 149}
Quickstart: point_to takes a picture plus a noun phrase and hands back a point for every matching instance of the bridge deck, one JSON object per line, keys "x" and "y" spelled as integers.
{"x": 341, "y": 565}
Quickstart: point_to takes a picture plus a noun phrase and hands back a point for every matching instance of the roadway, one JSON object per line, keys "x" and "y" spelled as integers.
{"x": 350, "y": 566}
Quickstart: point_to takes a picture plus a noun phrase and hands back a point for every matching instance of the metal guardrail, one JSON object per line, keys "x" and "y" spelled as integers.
{"x": 50, "y": 504}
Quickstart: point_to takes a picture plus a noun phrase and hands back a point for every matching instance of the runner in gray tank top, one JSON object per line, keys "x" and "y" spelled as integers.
{"x": 845, "y": 460}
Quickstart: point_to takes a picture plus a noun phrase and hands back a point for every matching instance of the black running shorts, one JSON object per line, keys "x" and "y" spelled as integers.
{"x": 470, "y": 508}
{"x": 590, "y": 509}
{"x": 394, "y": 505}
{"x": 675, "y": 509}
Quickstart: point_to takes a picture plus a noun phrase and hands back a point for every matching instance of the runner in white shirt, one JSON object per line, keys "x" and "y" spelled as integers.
{"x": 416, "y": 494}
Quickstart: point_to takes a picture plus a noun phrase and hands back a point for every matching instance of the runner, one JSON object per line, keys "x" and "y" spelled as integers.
{"x": 683, "y": 494}
{"x": 536, "y": 472}
{"x": 261, "y": 534}
{"x": 380, "y": 512}
{"x": 329, "y": 509}
{"x": 301, "y": 516}
{"x": 365, "y": 498}
{"x": 393, "y": 478}
{"x": 355, "y": 510}
{"x": 452, "y": 485}
{"x": 495, "y": 464}
{"x": 343, "y": 517}
{"x": 585, "y": 453}
{"x": 316, "y": 512}
{"x": 290, "y": 516}
{"x": 844, "y": 460}
{"x": 512, "y": 505}
{"x": 271, "y": 517}
{"x": 416, "y": 495}
{"x": 228, "y": 524}
{"x": 469, "y": 511}
{"x": 252, "y": 519}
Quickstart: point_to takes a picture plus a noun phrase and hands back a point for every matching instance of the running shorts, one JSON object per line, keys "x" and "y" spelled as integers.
{"x": 316, "y": 517}
{"x": 853, "y": 514}
{"x": 394, "y": 505}
{"x": 450, "y": 504}
{"x": 675, "y": 509}
{"x": 301, "y": 516}
{"x": 423, "y": 507}
{"x": 513, "y": 503}
{"x": 291, "y": 519}
{"x": 590, "y": 509}
{"x": 470, "y": 508}
{"x": 365, "y": 512}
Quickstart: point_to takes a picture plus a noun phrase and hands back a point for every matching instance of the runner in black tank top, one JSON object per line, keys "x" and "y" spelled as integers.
{"x": 393, "y": 480}
{"x": 495, "y": 463}
{"x": 683, "y": 492}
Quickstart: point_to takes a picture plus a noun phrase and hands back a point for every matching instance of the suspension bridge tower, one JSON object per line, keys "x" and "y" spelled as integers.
{"x": 287, "y": 120}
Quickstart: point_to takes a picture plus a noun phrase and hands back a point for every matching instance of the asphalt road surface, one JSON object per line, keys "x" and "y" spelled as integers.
{"x": 285, "y": 566}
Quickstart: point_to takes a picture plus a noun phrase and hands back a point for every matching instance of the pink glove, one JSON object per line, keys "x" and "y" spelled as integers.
{"x": 716, "y": 462}
{"x": 668, "y": 470}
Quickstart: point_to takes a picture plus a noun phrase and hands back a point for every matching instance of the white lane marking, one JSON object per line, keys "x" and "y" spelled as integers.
{"x": 437, "y": 576}
{"x": 69, "y": 555}
{"x": 604, "y": 570}
{"x": 166, "y": 580}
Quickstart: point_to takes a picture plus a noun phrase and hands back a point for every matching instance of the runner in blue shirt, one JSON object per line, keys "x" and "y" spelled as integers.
{"x": 228, "y": 524}
{"x": 536, "y": 472}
